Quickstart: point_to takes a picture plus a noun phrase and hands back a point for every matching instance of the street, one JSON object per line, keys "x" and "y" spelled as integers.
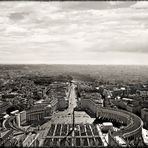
{"x": 66, "y": 115}
{"x": 72, "y": 99}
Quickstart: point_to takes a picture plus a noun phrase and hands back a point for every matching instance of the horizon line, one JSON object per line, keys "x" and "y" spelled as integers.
{"x": 74, "y": 64}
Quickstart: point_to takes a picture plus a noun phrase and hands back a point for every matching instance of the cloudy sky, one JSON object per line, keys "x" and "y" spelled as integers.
{"x": 74, "y": 32}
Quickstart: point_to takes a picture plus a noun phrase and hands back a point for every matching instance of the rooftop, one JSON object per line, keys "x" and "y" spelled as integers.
{"x": 145, "y": 109}
{"x": 107, "y": 124}
{"x": 5, "y": 134}
{"x": 40, "y": 101}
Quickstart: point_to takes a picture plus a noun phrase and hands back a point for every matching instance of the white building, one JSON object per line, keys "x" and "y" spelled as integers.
{"x": 144, "y": 116}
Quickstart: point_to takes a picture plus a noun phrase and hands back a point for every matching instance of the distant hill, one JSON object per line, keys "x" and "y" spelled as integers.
{"x": 106, "y": 72}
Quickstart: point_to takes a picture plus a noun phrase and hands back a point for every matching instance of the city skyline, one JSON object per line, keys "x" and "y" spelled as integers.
{"x": 74, "y": 33}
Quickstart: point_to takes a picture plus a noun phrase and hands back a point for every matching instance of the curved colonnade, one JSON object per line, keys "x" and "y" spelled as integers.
{"x": 133, "y": 128}
{"x": 10, "y": 123}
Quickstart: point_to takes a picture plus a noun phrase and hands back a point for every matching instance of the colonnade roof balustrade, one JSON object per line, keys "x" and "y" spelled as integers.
{"x": 133, "y": 127}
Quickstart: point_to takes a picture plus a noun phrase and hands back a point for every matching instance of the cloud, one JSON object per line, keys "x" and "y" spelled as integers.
{"x": 102, "y": 5}
{"x": 140, "y": 5}
{"x": 122, "y": 4}
{"x": 72, "y": 31}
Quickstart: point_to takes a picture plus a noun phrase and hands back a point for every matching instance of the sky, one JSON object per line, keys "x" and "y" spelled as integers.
{"x": 105, "y": 32}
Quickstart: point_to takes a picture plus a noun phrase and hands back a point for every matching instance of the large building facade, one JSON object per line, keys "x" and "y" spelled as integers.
{"x": 38, "y": 112}
{"x": 144, "y": 116}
